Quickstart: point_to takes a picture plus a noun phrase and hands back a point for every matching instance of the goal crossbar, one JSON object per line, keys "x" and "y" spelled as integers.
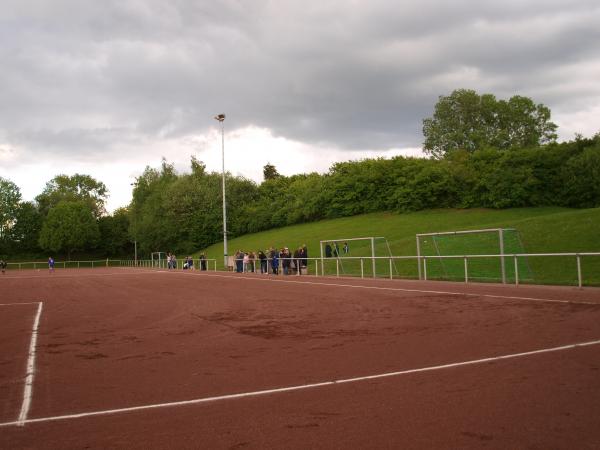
{"x": 442, "y": 233}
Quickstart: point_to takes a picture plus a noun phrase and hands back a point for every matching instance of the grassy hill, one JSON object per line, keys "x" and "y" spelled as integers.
{"x": 542, "y": 230}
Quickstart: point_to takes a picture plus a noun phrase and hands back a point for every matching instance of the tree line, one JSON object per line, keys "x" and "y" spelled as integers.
{"x": 69, "y": 216}
{"x": 483, "y": 152}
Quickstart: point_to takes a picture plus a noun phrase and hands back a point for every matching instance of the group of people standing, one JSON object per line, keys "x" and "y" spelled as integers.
{"x": 188, "y": 263}
{"x": 272, "y": 260}
{"x": 171, "y": 261}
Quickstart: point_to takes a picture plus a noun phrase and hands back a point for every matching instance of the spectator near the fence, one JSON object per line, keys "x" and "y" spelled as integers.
{"x": 263, "y": 261}
{"x": 239, "y": 261}
{"x": 327, "y": 250}
{"x": 346, "y": 248}
{"x": 286, "y": 260}
{"x": 3, "y": 266}
{"x": 51, "y": 264}
{"x": 302, "y": 256}
{"x": 297, "y": 260}
{"x": 202, "y": 261}
{"x": 246, "y": 262}
{"x": 275, "y": 262}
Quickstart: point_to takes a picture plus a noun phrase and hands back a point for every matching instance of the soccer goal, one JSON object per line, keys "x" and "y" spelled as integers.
{"x": 358, "y": 256}
{"x": 483, "y": 255}
{"x": 158, "y": 259}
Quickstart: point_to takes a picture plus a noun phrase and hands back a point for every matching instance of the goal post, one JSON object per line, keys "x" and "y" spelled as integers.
{"x": 484, "y": 254}
{"x": 356, "y": 256}
{"x": 158, "y": 259}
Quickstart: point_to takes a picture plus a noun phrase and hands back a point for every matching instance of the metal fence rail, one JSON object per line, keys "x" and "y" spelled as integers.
{"x": 581, "y": 269}
{"x": 97, "y": 263}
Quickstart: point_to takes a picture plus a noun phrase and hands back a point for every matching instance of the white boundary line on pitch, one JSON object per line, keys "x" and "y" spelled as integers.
{"x": 16, "y": 304}
{"x": 298, "y": 387}
{"x": 422, "y": 291}
{"x": 30, "y": 368}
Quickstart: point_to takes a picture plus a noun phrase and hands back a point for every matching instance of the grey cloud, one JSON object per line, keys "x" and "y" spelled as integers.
{"x": 84, "y": 75}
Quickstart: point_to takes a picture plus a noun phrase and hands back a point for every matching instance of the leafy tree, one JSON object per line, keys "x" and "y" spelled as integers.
{"x": 10, "y": 196}
{"x": 73, "y": 188}
{"x": 69, "y": 226}
{"x": 198, "y": 167}
{"x": 26, "y": 231}
{"x": 114, "y": 233}
{"x": 465, "y": 120}
{"x": 270, "y": 172}
{"x": 581, "y": 178}
{"x": 149, "y": 224}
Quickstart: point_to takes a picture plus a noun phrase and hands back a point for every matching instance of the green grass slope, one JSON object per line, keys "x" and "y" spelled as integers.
{"x": 542, "y": 230}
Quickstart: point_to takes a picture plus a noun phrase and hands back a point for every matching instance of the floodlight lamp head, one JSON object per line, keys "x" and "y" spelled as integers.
{"x": 220, "y": 117}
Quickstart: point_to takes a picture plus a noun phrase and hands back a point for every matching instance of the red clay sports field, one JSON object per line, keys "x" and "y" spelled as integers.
{"x": 146, "y": 359}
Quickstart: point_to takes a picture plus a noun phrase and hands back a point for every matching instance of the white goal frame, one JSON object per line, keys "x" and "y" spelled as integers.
{"x": 500, "y": 232}
{"x": 159, "y": 259}
{"x": 371, "y": 239}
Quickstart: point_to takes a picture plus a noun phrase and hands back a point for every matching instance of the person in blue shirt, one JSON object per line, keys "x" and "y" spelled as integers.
{"x": 51, "y": 264}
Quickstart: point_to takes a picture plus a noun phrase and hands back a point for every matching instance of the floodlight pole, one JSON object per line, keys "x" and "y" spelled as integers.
{"x": 135, "y": 237}
{"x": 221, "y": 119}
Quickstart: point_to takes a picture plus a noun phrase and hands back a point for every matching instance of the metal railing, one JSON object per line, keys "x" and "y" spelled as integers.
{"x": 518, "y": 268}
{"x": 97, "y": 263}
{"x": 580, "y": 269}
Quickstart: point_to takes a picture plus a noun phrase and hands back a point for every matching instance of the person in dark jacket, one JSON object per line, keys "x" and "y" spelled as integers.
{"x": 239, "y": 261}
{"x": 263, "y": 261}
{"x": 275, "y": 263}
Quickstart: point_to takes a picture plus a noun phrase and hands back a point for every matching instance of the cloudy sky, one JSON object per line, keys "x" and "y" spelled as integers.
{"x": 108, "y": 87}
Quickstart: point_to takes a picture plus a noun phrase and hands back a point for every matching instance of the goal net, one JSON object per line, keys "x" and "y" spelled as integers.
{"x": 363, "y": 256}
{"x": 490, "y": 242}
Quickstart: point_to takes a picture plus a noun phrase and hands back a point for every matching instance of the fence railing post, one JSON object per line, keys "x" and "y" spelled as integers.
{"x": 337, "y": 267}
{"x": 466, "y": 271}
{"x": 362, "y": 268}
{"x": 579, "y": 278}
{"x": 391, "y": 272}
{"x": 516, "y": 270}
{"x": 424, "y": 268}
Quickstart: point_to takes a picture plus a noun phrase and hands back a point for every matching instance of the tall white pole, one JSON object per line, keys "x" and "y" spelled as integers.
{"x": 502, "y": 267}
{"x": 224, "y": 203}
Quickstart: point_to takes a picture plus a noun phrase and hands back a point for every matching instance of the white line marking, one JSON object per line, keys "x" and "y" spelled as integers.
{"x": 299, "y": 387}
{"x": 28, "y": 391}
{"x": 16, "y": 304}
{"x": 422, "y": 291}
